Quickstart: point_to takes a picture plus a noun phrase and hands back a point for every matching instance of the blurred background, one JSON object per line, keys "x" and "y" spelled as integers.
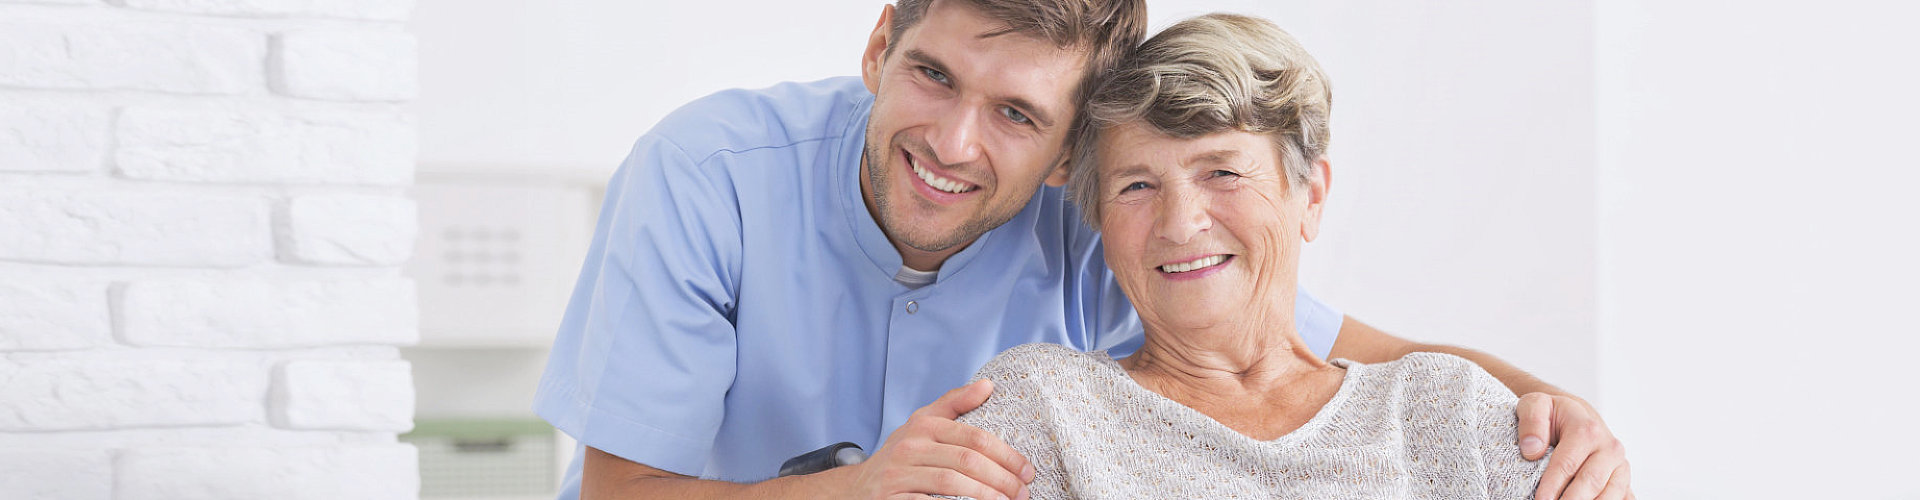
{"x": 231, "y": 231}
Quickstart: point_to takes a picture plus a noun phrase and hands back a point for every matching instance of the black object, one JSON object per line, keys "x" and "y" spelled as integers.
{"x": 833, "y": 455}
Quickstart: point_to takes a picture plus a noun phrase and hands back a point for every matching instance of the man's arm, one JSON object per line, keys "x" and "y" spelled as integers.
{"x": 930, "y": 454}
{"x": 1588, "y": 462}
{"x": 605, "y": 476}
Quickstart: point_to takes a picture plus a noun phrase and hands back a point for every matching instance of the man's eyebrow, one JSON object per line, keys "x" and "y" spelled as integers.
{"x": 1038, "y": 114}
{"x": 925, "y": 59}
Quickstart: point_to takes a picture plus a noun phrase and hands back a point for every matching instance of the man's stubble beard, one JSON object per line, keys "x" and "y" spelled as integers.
{"x": 877, "y": 177}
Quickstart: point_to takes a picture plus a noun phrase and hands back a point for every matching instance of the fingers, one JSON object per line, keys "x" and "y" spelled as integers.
{"x": 987, "y": 445}
{"x": 959, "y": 401}
{"x": 934, "y": 454}
{"x": 1617, "y": 486}
{"x": 977, "y": 469}
{"x": 1561, "y": 468}
{"x": 1536, "y": 424}
{"x": 1595, "y": 474}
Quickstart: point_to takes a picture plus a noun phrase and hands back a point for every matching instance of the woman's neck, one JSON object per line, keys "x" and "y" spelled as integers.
{"x": 1257, "y": 378}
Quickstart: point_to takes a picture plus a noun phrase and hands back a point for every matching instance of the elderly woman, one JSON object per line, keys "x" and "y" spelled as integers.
{"x": 1208, "y": 177}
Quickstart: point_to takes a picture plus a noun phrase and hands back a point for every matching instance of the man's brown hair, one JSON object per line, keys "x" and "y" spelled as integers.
{"x": 1107, "y": 29}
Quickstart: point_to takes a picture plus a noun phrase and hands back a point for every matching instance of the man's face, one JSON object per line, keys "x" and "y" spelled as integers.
{"x": 965, "y": 127}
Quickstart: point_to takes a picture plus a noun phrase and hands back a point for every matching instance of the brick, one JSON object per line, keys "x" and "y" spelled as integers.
{"x": 268, "y": 314}
{"x": 39, "y": 315}
{"x": 88, "y": 394}
{"x": 371, "y": 396}
{"x": 135, "y": 228}
{"x": 385, "y": 10}
{"x": 349, "y": 230}
{"x": 375, "y": 472}
{"x": 56, "y": 474}
{"x": 45, "y": 137}
{"x": 250, "y": 146}
{"x": 184, "y": 59}
{"x": 346, "y": 65}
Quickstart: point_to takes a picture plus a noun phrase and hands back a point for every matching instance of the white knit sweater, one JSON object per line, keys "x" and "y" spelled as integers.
{"x": 1426, "y": 426}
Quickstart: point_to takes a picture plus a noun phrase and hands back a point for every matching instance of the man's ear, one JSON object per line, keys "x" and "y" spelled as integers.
{"x": 1061, "y": 172}
{"x": 875, "y": 57}
{"x": 1317, "y": 187}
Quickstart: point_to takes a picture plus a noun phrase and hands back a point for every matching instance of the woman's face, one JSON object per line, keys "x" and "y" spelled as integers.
{"x": 1203, "y": 231}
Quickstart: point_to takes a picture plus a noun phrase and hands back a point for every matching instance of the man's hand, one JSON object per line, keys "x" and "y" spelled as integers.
{"x": 932, "y": 454}
{"x": 1588, "y": 462}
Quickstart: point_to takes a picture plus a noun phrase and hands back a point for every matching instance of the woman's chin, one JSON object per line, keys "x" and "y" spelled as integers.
{"x": 1195, "y": 311}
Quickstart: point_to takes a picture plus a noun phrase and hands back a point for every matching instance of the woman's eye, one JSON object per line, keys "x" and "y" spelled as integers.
{"x": 1134, "y": 186}
{"x": 1015, "y": 115}
{"x": 935, "y": 75}
{"x": 1223, "y": 173}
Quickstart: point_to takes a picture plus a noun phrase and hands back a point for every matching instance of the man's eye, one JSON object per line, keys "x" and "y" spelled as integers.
{"x": 935, "y": 75}
{"x": 1134, "y": 186}
{"x": 1015, "y": 115}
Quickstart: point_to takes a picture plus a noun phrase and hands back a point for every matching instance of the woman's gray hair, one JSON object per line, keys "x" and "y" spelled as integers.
{"x": 1213, "y": 73}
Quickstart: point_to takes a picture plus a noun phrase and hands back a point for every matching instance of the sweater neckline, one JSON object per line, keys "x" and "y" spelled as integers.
{"x": 1315, "y": 425}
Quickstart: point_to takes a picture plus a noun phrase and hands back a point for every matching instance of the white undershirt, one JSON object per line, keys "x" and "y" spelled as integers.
{"x": 914, "y": 278}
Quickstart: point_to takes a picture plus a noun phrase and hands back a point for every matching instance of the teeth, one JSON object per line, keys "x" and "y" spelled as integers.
{"x": 1193, "y": 264}
{"x": 938, "y": 182}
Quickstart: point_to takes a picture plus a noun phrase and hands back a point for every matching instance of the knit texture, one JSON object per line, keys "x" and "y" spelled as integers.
{"x": 1425, "y": 426}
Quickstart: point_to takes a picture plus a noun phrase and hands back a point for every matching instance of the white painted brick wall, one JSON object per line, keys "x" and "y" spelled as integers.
{"x": 349, "y": 229}
{"x": 288, "y": 473}
{"x": 151, "y": 227}
{"x": 56, "y": 474}
{"x": 149, "y": 56}
{"x": 50, "y": 137}
{"x": 353, "y": 395}
{"x": 77, "y": 393}
{"x": 346, "y": 65}
{"x": 203, "y": 219}
{"x": 255, "y": 314}
{"x": 51, "y": 315}
{"x": 237, "y": 145}
{"x": 390, "y": 10}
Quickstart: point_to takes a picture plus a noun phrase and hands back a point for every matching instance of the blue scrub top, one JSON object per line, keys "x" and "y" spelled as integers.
{"x": 737, "y": 306}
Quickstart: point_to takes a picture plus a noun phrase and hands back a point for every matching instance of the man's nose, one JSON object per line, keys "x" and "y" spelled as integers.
{"x": 955, "y": 136}
{"x": 1182, "y": 216}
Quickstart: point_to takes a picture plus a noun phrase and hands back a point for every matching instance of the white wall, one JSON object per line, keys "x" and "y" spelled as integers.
{"x": 1757, "y": 245}
{"x": 202, "y": 219}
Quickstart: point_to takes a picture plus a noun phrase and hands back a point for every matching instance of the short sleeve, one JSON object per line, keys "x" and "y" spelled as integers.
{"x": 646, "y": 352}
{"x": 1508, "y": 475}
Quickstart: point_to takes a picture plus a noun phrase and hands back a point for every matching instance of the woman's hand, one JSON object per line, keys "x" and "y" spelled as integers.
{"x": 932, "y": 454}
{"x": 1588, "y": 462}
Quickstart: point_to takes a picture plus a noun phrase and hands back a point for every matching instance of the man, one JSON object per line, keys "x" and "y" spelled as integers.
{"x": 782, "y": 269}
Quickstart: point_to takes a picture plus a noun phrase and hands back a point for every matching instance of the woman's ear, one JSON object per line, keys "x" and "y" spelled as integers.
{"x": 875, "y": 57}
{"x": 1317, "y": 185}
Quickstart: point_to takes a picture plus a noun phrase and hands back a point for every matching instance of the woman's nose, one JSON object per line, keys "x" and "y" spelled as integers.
{"x": 954, "y": 137}
{"x": 1183, "y": 216}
